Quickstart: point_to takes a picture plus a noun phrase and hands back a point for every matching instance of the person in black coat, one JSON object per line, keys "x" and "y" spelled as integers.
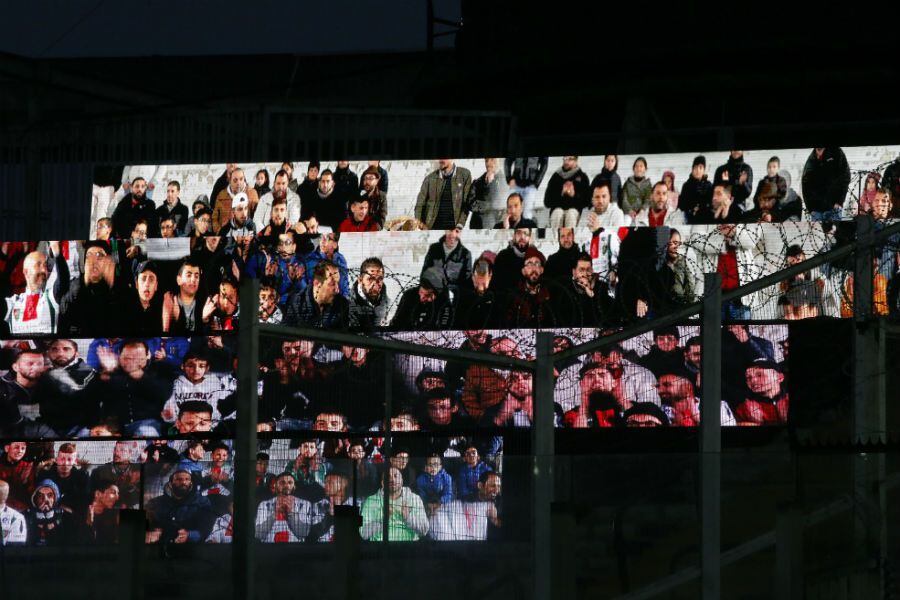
{"x": 134, "y": 206}
{"x": 609, "y": 174}
{"x": 509, "y": 261}
{"x": 90, "y": 305}
{"x": 696, "y": 191}
{"x": 320, "y": 305}
{"x": 826, "y": 176}
{"x": 567, "y": 194}
{"x": 426, "y": 306}
{"x": 560, "y": 263}
{"x": 739, "y": 174}
{"x": 450, "y": 257}
{"x": 584, "y": 300}
{"x": 479, "y": 306}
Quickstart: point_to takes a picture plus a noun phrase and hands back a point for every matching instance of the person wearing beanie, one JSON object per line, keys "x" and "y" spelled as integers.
{"x": 310, "y": 183}
{"x": 180, "y": 514}
{"x": 567, "y": 194}
{"x": 738, "y": 174}
{"x": 382, "y": 176}
{"x": 637, "y": 188}
{"x": 531, "y": 306}
{"x": 696, "y": 191}
{"x": 426, "y": 306}
{"x": 609, "y": 174}
{"x": 370, "y": 189}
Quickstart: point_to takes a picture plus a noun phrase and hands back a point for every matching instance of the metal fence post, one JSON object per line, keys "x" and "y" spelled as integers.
{"x": 711, "y": 437}
{"x": 132, "y": 531}
{"x": 863, "y": 271}
{"x": 386, "y": 446}
{"x": 789, "y": 526}
{"x": 542, "y": 432}
{"x": 245, "y": 446}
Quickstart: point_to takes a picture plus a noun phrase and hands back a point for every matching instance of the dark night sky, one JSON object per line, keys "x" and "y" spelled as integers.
{"x": 104, "y": 28}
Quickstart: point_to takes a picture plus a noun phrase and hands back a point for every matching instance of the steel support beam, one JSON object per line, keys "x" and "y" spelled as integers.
{"x": 711, "y": 439}
{"x": 789, "y": 526}
{"x": 245, "y": 446}
{"x": 542, "y": 436}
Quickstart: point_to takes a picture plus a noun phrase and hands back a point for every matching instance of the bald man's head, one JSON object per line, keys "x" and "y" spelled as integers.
{"x": 34, "y": 267}
{"x": 4, "y": 492}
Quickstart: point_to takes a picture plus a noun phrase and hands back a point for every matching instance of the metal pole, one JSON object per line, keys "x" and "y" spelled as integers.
{"x": 711, "y": 437}
{"x": 132, "y": 531}
{"x": 869, "y": 420}
{"x": 789, "y": 525}
{"x": 347, "y": 548}
{"x": 386, "y": 445}
{"x": 245, "y": 446}
{"x": 542, "y": 432}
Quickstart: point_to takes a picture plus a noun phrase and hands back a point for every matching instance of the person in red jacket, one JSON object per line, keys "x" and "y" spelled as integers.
{"x": 359, "y": 219}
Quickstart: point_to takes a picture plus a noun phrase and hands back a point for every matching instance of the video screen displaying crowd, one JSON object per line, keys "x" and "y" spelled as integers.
{"x": 69, "y": 493}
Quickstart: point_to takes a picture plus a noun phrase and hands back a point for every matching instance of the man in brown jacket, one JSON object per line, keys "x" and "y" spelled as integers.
{"x": 236, "y": 185}
{"x": 446, "y": 197}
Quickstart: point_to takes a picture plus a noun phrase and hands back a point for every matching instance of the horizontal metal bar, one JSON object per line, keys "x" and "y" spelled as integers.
{"x": 373, "y": 343}
{"x": 694, "y": 309}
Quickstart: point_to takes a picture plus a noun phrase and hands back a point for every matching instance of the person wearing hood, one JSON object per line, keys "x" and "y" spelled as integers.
{"x": 263, "y": 211}
{"x": 141, "y": 306}
{"x": 696, "y": 191}
{"x": 509, "y": 261}
{"x": 452, "y": 258}
{"x": 261, "y": 183}
{"x": 610, "y": 175}
{"x": 524, "y": 176}
{"x": 602, "y": 213}
{"x": 774, "y": 177}
{"x": 426, "y": 306}
{"x": 560, "y": 263}
{"x": 479, "y": 306}
{"x": 48, "y": 523}
{"x": 637, "y": 188}
{"x": 174, "y": 208}
{"x": 826, "y": 177}
{"x": 368, "y": 298}
{"x": 531, "y": 304}
{"x": 870, "y": 189}
{"x": 567, "y": 194}
{"x": 237, "y": 184}
{"x": 134, "y": 206}
{"x": 791, "y": 206}
{"x": 181, "y": 514}
{"x": 90, "y": 301}
{"x": 659, "y": 213}
{"x": 739, "y": 175}
{"x": 669, "y": 179}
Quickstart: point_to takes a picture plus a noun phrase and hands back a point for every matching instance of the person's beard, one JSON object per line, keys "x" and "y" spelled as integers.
{"x": 138, "y": 195}
{"x": 279, "y": 194}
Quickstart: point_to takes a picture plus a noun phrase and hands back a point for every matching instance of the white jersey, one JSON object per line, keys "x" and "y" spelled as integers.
{"x": 273, "y": 528}
{"x": 13, "y": 524}
{"x": 40, "y": 321}
{"x": 222, "y": 531}
{"x": 604, "y": 250}
{"x": 212, "y": 389}
{"x": 460, "y": 520}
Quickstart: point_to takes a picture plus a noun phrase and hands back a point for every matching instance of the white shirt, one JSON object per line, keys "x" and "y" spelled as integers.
{"x": 460, "y": 520}
{"x": 264, "y": 209}
{"x": 212, "y": 389}
{"x": 13, "y": 523}
{"x": 612, "y": 218}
